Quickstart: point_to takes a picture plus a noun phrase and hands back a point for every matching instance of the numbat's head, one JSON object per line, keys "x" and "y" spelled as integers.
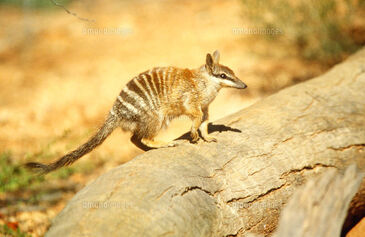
{"x": 222, "y": 74}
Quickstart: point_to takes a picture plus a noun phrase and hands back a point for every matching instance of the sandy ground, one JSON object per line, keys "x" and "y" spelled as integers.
{"x": 60, "y": 75}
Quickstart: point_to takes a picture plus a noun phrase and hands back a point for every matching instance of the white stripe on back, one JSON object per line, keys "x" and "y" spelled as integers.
{"x": 129, "y": 106}
{"x": 135, "y": 96}
{"x": 168, "y": 76}
{"x": 150, "y": 90}
{"x": 144, "y": 92}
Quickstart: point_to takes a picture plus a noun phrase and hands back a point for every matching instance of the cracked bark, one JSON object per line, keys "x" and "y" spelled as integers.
{"x": 358, "y": 146}
{"x": 241, "y": 183}
{"x": 188, "y": 189}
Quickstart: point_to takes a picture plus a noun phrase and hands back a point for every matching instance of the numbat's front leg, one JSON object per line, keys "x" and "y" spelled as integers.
{"x": 204, "y": 131}
{"x": 204, "y": 127}
{"x": 196, "y": 116}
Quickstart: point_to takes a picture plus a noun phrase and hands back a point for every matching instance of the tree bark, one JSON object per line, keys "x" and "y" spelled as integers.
{"x": 239, "y": 184}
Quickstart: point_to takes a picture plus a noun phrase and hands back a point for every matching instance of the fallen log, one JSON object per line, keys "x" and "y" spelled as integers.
{"x": 239, "y": 184}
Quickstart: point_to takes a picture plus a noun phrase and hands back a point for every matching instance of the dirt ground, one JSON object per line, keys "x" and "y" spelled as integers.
{"x": 60, "y": 75}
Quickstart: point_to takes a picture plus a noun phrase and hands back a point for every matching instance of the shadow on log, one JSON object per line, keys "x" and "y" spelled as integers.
{"x": 239, "y": 184}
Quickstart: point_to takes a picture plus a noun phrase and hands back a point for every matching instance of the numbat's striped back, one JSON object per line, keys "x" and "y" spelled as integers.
{"x": 145, "y": 101}
{"x": 150, "y": 100}
{"x": 145, "y": 93}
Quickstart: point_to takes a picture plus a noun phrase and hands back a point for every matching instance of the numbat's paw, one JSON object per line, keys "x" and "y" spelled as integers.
{"x": 195, "y": 137}
{"x": 157, "y": 144}
{"x": 210, "y": 139}
{"x": 171, "y": 144}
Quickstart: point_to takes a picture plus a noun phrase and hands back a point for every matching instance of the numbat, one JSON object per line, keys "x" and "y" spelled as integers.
{"x": 153, "y": 98}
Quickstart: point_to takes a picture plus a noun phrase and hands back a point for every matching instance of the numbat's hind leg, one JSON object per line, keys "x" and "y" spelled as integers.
{"x": 157, "y": 144}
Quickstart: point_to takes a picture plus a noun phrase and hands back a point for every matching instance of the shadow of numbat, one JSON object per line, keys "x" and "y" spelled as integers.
{"x": 186, "y": 136}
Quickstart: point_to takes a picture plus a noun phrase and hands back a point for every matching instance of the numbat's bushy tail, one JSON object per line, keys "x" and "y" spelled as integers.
{"x": 104, "y": 131}
{"x": 150, "y": 100}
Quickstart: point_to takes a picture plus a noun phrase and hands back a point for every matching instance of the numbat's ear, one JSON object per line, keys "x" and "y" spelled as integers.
{"x": 216, "y": 56}
{"x": 209, "y": 62}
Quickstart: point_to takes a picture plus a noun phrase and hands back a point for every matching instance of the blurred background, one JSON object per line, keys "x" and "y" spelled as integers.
{"x": 62, "y": 64}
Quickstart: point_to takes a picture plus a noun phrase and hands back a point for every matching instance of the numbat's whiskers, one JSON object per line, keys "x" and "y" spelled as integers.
{"x": 150, "y": 100}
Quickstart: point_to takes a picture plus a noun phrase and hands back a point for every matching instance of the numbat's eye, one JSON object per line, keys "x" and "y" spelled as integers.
{"x": 223, "y": 75}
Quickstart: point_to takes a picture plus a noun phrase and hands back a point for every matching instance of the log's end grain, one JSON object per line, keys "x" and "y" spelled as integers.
{"x": 320, "y": 207}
